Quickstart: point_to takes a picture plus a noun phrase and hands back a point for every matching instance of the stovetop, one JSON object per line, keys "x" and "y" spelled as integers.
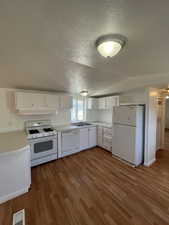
{"x": 34, "y": 131}
{"x": 38, "y": 129}
{"x": 49, "y": 129}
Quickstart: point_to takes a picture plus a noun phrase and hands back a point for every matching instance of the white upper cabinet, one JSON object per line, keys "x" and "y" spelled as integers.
{"x": 126, "y": 100}
{"x": 112, "y": 101}
{"x": 41, "y": 103}
{"x": 52, "y": 101}
{"x": 105, "y": 103}
{"x": 109, "y": 102}
{"x": 92, "y": 103}
{"x": 66, "y": 102}
{"x": 84, "y": 138}
{"x": 102, "y": 103}
{"x": 115, "y": 100}
{"x": 29, "y": 101}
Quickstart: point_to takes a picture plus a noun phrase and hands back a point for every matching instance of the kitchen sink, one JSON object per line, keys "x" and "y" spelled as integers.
{"x": 81, "y": 124}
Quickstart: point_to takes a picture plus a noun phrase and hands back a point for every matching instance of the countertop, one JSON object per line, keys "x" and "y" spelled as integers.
{"x": 72, "y": 127}
{"x": 12, "y": 141}
{"x": 65, "y": 127}
{"x": 107, "y": 125}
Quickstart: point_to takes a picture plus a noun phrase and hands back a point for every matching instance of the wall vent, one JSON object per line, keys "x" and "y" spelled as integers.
{"x": 19, "y": 218}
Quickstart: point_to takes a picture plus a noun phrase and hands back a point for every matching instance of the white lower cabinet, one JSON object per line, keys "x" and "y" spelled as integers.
{"x": 15, "y": 173}
{"x": 100, "y": 136}
{"x": 76, "y": 140}
{"x": 104, "y": 138}
{"x": 92, "y": 137}
{"x": 84, "y": 138}
{"x": 107, "y": 143}
{"x": 87, "y": 138}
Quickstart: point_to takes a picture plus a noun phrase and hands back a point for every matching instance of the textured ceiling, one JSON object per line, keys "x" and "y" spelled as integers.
{"x": 49, "y": 44}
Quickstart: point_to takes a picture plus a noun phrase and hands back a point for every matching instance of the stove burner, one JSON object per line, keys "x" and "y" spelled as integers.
{"x": 33, "y": 131}
{"x": 48, "y": 129}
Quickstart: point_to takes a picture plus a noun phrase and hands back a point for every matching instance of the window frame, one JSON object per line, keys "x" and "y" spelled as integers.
{"x": 76, "y": 98}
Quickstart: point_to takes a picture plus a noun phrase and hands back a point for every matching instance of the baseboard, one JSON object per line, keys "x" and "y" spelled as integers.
{"x": 150, "y": 162}
{"x": 13, "y": 195}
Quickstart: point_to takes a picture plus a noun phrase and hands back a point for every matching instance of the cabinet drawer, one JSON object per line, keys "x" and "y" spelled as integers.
{"x": 107, "y": 143}
{"x": 107, "y": 140}
{"x": 107, "y": 131}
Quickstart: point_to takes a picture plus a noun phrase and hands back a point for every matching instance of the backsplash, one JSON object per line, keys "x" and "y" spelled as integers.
{"x": 105, "y": 116}
{"x": 100, "y": 115}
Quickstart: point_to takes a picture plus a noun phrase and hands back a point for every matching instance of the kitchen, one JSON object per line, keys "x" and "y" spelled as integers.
{"x": 48, "y": 140}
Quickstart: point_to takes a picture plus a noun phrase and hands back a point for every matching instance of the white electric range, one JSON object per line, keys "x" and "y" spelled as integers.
{"x": 43, "y": 141}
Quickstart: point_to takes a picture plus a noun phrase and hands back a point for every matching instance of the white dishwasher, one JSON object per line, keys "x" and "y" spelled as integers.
{"x": 70, "y": 142}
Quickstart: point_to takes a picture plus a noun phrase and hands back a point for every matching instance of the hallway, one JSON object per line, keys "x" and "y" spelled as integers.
{"x": 166, "y": 140}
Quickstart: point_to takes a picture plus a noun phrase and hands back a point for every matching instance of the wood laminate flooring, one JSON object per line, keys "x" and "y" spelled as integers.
{"x": 92, "y": 188}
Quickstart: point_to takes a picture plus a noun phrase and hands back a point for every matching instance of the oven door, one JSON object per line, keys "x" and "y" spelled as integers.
{"x": 44, "y": 146}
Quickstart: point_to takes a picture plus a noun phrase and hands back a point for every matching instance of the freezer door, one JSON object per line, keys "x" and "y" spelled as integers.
{"x": 123, "y": 144}
{"x": 125, "y": 115}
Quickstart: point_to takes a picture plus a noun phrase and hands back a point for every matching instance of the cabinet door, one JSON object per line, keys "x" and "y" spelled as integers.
{"x": 52, "y": 101}
{"x": 99, "y": 136}
{"x": 107, "y": 143}
{"x": 29, "y": 100}
{"x": 112, "y": 101}
{"x": 102, "y": 103}
{"x": 38, "y": 100}
{"x": 92, "y": 137}
{"x": 92, "y": 103}
{"x": 107, "y": 131}
{"x": 115, "y": 100}
{"x": 109, "y": 102}
{"x": 23, "y": 101}
{"x": 66, "y": 102}
{"x": 84, "y": 138}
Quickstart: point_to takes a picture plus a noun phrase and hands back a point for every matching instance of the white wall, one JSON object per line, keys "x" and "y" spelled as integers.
{"x": 135, "y": 96}
{"x": 99, "y": 115}
{"x": 92, "y": 115}
{"x": 151, "y": 126}
{"x": 105, "y": 116}
{"x": 10, "y": 120}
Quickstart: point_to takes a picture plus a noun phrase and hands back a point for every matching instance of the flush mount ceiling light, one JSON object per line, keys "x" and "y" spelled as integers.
{"x": 84, "y": 93}
{"x": 110, "y": 45}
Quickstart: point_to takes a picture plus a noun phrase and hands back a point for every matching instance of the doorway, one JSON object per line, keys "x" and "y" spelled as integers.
{"x": 166, "y": 130}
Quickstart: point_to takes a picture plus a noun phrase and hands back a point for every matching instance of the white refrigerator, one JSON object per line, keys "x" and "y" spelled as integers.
{"x": 128, "y": 133}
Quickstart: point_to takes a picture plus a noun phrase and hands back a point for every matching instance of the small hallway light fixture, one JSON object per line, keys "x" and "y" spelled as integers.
{"x": 110, "y": 45}
{"x": 84, "y": 93}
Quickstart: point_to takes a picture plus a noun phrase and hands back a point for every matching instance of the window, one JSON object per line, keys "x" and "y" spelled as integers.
{"x": 78, "y": 112}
